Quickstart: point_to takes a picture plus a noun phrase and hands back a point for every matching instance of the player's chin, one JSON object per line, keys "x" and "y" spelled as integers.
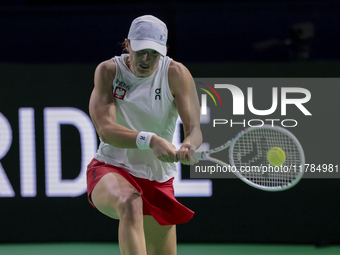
{"x": 144, "y": 72}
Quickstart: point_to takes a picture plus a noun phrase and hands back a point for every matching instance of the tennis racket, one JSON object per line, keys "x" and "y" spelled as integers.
{"x": 248, "y": 157}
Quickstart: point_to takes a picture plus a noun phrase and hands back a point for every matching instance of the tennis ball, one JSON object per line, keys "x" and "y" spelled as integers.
{"x": 276, "y": 156}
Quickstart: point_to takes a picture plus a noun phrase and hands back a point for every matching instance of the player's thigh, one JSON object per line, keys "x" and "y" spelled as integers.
{"x": 111, "y": 192}
{"x": 159, "y": 239}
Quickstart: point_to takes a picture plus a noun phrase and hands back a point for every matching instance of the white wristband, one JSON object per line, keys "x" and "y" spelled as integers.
{"x": 143, "y": 140}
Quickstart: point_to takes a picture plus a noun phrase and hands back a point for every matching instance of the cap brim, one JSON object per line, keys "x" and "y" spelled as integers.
{"x": 137, "y": 45}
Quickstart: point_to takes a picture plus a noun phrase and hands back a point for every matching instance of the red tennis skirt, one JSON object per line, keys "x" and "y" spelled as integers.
{"x": 158, "y": 197}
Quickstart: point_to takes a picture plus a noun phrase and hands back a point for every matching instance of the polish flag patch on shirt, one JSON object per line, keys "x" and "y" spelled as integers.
{"x": 119, "y": 93}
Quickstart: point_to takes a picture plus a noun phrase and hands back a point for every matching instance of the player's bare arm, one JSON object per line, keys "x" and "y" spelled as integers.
{"x": 183, "y": 88}
{"x": 103, "y": 109}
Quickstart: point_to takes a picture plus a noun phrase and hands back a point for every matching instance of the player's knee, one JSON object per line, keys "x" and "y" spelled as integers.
{"x": 126, "y": 202}
{"x": 130, "y": 207}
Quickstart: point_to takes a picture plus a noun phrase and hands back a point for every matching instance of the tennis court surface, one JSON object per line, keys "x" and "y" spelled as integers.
{"x": 183, "y": 249}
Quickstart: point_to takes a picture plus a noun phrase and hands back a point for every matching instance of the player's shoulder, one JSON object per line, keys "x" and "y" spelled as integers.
{"x": 178, "y": 77}
{"x": 178, "y": 72}
{"x": 106, "y": 69}
{"x": 177, "y": 69}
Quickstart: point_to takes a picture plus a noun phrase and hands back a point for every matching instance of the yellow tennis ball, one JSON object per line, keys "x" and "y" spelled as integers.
{"x": 276, "y": 156}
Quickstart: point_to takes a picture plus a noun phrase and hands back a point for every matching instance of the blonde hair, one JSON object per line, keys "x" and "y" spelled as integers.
{"x": 124, "y": 49}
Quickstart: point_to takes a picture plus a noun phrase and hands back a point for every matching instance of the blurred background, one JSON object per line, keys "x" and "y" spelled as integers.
{"x": 49, "y": 51}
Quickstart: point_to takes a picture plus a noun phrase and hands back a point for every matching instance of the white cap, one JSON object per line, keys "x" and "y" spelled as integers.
{"x": 148, "y": 32}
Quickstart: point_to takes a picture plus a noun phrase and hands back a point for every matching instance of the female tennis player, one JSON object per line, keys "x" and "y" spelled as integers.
{"x": 134, "y": 106}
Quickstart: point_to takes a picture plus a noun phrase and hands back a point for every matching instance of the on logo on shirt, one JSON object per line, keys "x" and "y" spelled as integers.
{"x": 158, "y": 94}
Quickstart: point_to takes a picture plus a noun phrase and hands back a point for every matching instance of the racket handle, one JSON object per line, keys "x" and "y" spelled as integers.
{"x": 198, "y": 154}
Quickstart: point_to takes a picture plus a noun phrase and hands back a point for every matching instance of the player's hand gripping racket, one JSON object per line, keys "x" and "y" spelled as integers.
{"x": 249, "y": 160}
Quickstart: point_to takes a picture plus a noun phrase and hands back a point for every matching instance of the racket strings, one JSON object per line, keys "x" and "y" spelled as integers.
{"x": 249, "y": 155}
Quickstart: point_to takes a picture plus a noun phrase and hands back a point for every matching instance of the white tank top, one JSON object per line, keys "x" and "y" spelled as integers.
{"x": 142, "y": 104}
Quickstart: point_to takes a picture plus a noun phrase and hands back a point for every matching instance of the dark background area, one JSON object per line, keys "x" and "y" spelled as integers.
{"x": 48, "y": 53}
{"x": 223, "y": 31}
